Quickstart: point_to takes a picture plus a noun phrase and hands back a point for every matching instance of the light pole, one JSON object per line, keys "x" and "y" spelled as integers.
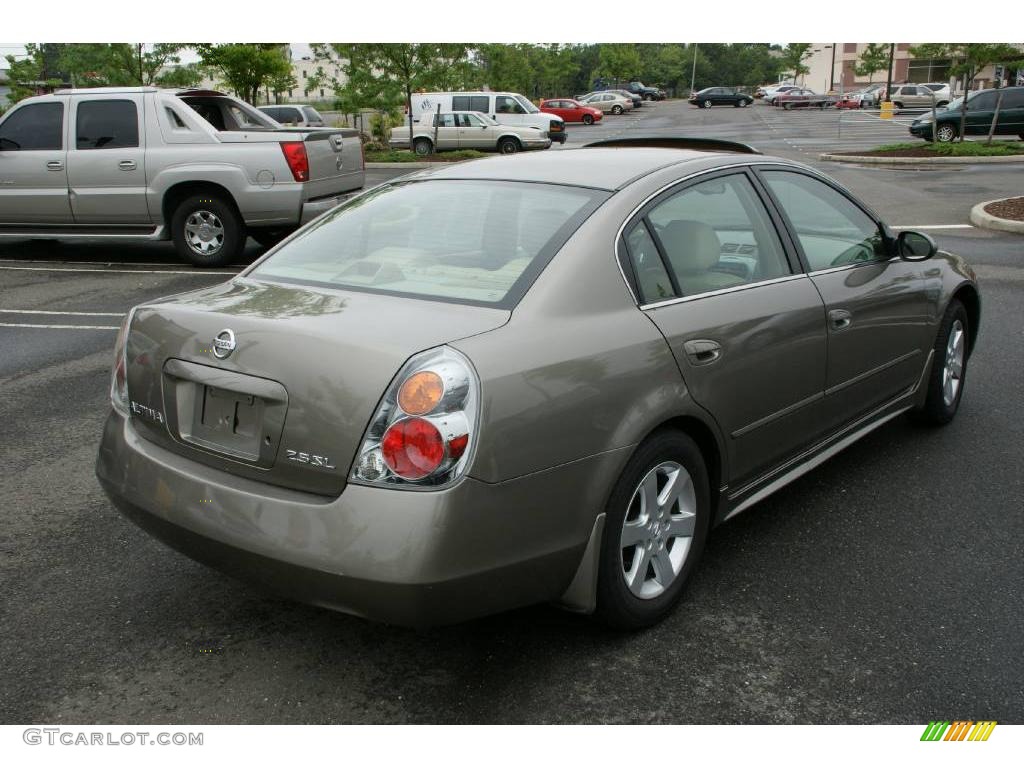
{"x": 693, "y": 72}
{"x": 832, "y": 71}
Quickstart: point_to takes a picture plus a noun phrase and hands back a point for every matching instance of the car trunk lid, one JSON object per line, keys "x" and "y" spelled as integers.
{"x": 287, "y": 404}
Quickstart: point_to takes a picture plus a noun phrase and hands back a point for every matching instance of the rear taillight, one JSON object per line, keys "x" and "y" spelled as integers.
{"x": 298, "y": 161}
{"x": 425, "y": 428}
{"x": 119, "y": 376}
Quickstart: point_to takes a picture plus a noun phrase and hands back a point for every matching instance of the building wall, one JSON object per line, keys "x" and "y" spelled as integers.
{"x": 846, "y": 58}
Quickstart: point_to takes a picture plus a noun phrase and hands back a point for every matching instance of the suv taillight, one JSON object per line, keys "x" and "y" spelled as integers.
{"x": 298, "y": 161}
{"x": 425, "y": 428}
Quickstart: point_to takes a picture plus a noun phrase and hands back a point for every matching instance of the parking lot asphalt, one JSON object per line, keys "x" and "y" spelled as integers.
{"x": 883, "y": 586}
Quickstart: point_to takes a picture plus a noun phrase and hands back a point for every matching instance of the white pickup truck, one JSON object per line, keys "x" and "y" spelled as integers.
{"x": 197, "y": 167}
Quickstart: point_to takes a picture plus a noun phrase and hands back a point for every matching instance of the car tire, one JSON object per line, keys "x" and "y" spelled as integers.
{"x": 268, "y": 238}
{"x": 746, "y": 103}
{"x": 659, "y": 578}
{"x": 787, "y": 106}
{"x": 897, "y": 105}
{"x": 707, "y": 104}
{"x": 588, "y": 119}
{"x": 508, "y": 146}
{"x": 617, "y": 110}
{"x": 207, "y": 230}
{"x": 949, "y": 368}
{"x": 646, "y": 97}
{"x": 946, "y": 132}
{"x": 423, "y": 147}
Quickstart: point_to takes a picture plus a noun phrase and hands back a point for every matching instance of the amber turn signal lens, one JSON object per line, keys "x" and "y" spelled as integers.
{"x": 420, "y": 393}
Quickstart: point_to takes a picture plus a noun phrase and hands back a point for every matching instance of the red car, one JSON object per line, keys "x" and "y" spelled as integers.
{"x": 571, "y": 111}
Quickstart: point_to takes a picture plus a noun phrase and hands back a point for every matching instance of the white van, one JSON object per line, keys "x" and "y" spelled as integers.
{"x": 504, "y": 107}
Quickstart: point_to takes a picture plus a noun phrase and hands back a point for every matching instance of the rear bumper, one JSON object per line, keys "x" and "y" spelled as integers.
{"x": 401, "y": 557}
{"x": 313, "y": 208}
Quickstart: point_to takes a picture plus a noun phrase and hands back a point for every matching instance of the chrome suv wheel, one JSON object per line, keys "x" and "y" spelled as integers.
{"x": 204, "y": 233}
{"x": 953, "y": 370}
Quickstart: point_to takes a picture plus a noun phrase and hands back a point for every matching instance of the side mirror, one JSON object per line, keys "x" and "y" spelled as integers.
{"x": 915, "y": 246}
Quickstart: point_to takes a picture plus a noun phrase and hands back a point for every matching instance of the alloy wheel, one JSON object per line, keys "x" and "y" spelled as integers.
{"x": 946, "y": 133}
{"x": 204, "y": 232}
{"x": 658, "y": 530}
{"x": 952, "y": 372}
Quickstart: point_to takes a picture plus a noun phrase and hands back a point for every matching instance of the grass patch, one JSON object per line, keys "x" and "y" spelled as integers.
{"x": 952, "y": 149}
{"x": 406, "y": 156}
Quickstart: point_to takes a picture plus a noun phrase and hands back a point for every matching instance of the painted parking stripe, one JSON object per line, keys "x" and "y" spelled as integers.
{"x": 932, "y": 226}
{"x": 98, "y": 263}
{"x": 55, "y": 312}
{"x": 124, "y": 271}
{"x": 63, "y": 327}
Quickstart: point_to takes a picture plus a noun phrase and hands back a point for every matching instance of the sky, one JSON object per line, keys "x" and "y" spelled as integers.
{"x": 18, "y": 49}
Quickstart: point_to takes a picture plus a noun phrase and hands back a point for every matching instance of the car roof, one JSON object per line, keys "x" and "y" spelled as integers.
{"x": 608, "y": 168}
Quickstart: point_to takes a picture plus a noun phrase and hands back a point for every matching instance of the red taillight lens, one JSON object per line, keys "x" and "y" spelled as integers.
{"x": 298, "y": 161}
{"x": 412, "y": 448}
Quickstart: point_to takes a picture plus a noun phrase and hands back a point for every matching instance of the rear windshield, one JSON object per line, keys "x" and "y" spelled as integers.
{"x": 463, "y": 241}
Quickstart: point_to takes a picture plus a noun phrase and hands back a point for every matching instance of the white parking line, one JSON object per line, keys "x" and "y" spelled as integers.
{"x": 63, "y": 327}
{"x": 97, "y": 263}
{"x": 932, "y": 226}
{"x": 55, "y": 312}
{"x": 124, "y": 271}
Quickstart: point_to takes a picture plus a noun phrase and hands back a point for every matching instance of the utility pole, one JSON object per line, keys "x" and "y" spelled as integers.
{"x": 693, "y": 72}
{"x": 832, "y": 71}
{"x": 888, "y": 82}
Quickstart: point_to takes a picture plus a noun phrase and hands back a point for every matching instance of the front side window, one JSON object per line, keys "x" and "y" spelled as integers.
{"x": 106, "y": 124}
{"x": 717, "y": 234}
{"x": 33, "y": 127}
{"x": 470, "y": 121}
{"x": 983, "y": 101}
{"x": 476, "y": 242}
{"x": 832, "y": 230}
{"x": 506, "y": 105}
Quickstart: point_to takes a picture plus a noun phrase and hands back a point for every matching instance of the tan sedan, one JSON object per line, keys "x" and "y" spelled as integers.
{"x": 608, "y": 102}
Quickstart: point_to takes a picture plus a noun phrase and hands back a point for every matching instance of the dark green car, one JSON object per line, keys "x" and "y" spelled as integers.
{"x": 981, "y": 110}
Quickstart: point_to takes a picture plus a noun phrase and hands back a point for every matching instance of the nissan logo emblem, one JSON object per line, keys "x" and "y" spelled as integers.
{"x": 223, "y": 343}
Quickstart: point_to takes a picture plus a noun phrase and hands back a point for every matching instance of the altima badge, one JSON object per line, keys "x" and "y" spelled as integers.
{"x": 223, "y": 343}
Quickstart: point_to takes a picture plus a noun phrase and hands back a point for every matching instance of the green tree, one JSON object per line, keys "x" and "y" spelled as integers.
{"x": 970, "y": 59}
{"x": 180, "y": 76}
{"x": 874, "y": 58}
{"x": 793, "y": 56}
{"x": 245, "y": 68}
{"x": 129, "y": 64}
{"x": 27, "y": 74}
{"x": 618, "y": 61}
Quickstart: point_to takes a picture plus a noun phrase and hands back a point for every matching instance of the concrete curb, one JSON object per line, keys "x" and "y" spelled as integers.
{"x": 411, "y": 166}
{"x": 866, "y": 159}
{"x": 980, "y": 218}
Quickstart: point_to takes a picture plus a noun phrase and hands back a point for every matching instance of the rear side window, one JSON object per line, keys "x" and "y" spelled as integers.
{"x": 651, "y": 276}
{"x": 1013, "y": 98}
{"x": 716, "y": 235}
{"x": 471, "y": 103}
{"x": 107, "y": 124}
{"x": 33, "y": 127}
{"x": 312, "y": 115}
{"x": 471, "y": 242}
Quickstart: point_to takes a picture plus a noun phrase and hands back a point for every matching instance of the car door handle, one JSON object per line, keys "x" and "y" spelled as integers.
{"x": 127, "y": 165}
{"x": 55, "y": 165}
{"x": 702, "y": 351}
{"x": 840, "y": 319}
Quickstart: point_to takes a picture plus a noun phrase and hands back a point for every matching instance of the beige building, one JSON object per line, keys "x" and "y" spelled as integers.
{"x": 302, "y": 70}
{"x": 832, "y": 65}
